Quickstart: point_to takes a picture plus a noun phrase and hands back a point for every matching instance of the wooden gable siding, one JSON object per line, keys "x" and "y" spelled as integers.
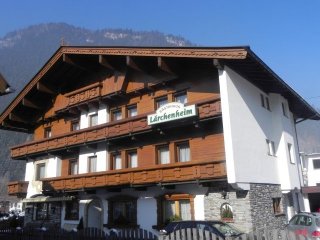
{"x": 198, "y": 87}
{"x": 136, "y": 125}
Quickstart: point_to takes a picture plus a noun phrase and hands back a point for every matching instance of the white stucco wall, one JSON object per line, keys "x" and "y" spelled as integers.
{"x": 246, "y": 126}
{"x": 52, "y": 169}
{"x": 146, "y": 214}
{"x": 103, "y": 116}
{"x": 101, "y": 154}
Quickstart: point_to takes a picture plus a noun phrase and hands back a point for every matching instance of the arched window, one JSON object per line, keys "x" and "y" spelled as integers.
{"x": 226, "y": 212}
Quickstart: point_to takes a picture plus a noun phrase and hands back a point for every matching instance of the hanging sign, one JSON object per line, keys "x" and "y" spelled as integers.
{"x": 170, "y": 112}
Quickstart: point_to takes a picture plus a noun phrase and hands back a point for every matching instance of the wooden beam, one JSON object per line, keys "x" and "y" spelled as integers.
{"x": 15, "y": 118}
{"x": 18, "y": 127}
{"x": 67, "y": 59}
{"x": 163, "y": 65}
{"x": 131, "y": 63}
{"x": 27, "y": 103}
{"x": 45, "y": 89}
{"x": 104, "y": 62}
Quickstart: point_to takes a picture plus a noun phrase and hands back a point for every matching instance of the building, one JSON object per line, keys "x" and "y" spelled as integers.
{"x": 311, "y": 185}
{"x": 4, "y": 86}
{"x": 137, "y": 137}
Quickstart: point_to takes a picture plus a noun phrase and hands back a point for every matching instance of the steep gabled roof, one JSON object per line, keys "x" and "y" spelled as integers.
{"x": 45, "y": 86}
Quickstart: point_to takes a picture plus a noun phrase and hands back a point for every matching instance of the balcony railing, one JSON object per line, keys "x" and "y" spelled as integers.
{"x": 105, "y": 131}
{"x": 18, "y": 188}
{"x": 160, "y": 174}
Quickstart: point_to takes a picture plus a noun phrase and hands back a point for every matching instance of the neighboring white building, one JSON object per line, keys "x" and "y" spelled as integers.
{"x": 311, "y": 181}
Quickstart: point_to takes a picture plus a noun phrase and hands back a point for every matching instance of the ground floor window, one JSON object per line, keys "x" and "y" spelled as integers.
{"x": 72, "y": 210}
{"x": 276, "y": 202}
{"x": 122, "y": 211}
{"x": 42, "y": 211}
{"x": 175, "y": 207}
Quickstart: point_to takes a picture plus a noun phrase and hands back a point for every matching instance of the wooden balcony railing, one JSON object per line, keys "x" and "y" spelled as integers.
{"x": 18, "y": 188}
{"x": 102, "y": 132}
{"x": 160, "y": 174}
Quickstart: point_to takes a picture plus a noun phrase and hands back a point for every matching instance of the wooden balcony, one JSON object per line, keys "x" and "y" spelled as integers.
{"x": 138, "y": 124}
{"x": 18, "y": 188}
{"x": 160, "y": 174}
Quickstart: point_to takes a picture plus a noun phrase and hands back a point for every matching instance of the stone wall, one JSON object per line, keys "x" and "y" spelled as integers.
{"x": 239, "y": 201}
{"x": 261, "y": 200}
{"x": 251, "y": 209}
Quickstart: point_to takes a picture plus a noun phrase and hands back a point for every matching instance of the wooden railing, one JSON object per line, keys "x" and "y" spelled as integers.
{"x": 102, "y": 132}
{"x": 17, "y": 188}
{"x": 165, "y": 173}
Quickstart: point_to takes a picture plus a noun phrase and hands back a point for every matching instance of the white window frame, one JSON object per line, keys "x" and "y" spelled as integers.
{"x": 271, "y": 147}
{"x": 291, "y": 153}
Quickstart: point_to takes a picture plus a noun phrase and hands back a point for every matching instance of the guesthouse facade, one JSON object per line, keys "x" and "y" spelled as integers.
{"x": 137, "y": 137}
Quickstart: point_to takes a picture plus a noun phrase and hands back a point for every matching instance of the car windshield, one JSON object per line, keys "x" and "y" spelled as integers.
{"x": 226, "y": 229}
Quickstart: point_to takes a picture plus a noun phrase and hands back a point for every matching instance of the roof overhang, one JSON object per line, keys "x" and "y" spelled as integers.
{"x": 310, "y": 189}
{"x": 73, "y": 60}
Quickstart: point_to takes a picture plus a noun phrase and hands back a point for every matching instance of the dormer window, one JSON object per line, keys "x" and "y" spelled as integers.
{"x": 159, "y": 102}
{"x": 116, "y": 114}
{"x": 181, "y": 97}
{"x": 284, "y": 109}
{"x": 75, "y": 125}
{"x": 132, "y": 110}
{"x": 47, "y": 132}
{"x": 93, "y": 119}
{"x": 265, "y": 101}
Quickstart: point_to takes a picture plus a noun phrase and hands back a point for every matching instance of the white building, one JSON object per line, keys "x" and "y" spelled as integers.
{"x": 95, "y": 156}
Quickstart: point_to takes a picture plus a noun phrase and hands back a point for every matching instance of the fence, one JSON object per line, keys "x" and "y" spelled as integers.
{"x": 85, "y": 234}
{"x": 138, "y": 234}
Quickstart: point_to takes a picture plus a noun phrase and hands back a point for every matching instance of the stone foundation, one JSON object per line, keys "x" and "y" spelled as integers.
{"x": 251, "y": 209}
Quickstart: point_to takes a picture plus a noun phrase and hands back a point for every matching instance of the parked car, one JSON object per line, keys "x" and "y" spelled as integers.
{"x": 219, "y": 228}
{"x": 304, "y": 225}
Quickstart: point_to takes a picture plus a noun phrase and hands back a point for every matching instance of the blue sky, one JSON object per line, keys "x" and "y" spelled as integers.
{"x": 285, "y": 34}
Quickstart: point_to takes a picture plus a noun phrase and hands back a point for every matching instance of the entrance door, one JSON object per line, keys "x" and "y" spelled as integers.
{"x": 94, "y": 214}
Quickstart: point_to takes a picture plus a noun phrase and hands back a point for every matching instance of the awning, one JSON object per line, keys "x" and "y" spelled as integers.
{"x": 311, "y": 189}
{"x": 48, "y": 199}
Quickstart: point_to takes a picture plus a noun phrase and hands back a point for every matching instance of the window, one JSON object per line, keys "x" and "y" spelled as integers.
{"x": 177, "y": 207}
{"x": 122, "y": 211}
{"x": 72, "y": 210}
{"x": 132, "y": 111}
{"x": 116, "y": 161}
{"x": 42, "y": 211}
{"x": 75, "y": 125}
{"x": 73, "y": 167}
{"x": 284, "y": 110}
{"x": 116, "y": 114}
{"x": 316, "y": 163}
{"x": 183, "y": 152}
{"x": 181, "y": 97}
{"x": 40, "y": 171}
{"x": 161, "y": 102}
{"x": 132, "y": 159}
{"x": 276, "y": 203}
{"x": 163, "y": 154}
{"x": 270, "y": 146}
{"x": 290, "y": 152}
{"x": 47, "y": 132}
{"x": 93, "y": 120}
{"x": 265, "y": 102}
{"x": 92, "y": 164}
{"x": 226, "y": 212}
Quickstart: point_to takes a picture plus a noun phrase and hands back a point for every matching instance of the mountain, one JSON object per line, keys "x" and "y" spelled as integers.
{"x": 24, "y": 52}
